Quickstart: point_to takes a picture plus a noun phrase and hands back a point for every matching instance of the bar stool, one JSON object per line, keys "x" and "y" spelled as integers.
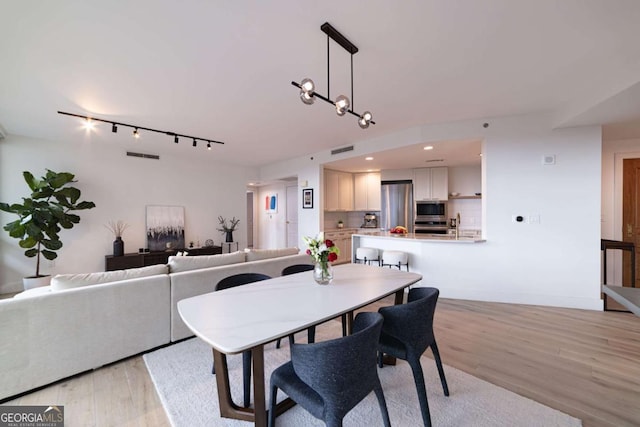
{"x": 366, "y": 255}
{"x": 395, "y": 259}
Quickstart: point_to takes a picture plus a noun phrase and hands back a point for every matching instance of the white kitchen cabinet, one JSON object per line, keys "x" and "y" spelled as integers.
{"x": 366, "y": 191}
{"x": 342, "y": 239}
{"x": 338, "y": 191}
{"x": 431, "y": 184}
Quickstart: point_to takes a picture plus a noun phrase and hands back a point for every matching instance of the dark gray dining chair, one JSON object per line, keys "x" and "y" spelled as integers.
{"x": 330, "y": 378}
{"x": 293, "y": 269}
{"x": 407, "y": 332}
{"x": 232, "y": 282}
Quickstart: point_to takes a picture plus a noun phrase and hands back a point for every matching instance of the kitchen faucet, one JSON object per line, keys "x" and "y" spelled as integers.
{"x": 457, "y": 225}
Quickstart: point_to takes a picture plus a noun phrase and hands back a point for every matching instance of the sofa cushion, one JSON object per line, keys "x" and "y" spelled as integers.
{"x": 258, "y": 254}
{"x": 34, "y": 292}
{"x": 186, "y": 263}
{"x": 69, "y": 281}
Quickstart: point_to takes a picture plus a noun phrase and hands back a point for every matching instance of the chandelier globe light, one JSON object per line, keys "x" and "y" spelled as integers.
{"x": 365, "y": 119}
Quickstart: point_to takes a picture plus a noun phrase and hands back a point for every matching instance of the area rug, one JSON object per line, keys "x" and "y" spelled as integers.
{"x": 182, "y": 377}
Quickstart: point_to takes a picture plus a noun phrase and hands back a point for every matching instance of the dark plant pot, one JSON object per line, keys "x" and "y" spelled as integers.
{"x": 118, "y": 247}
{"x": 229, "y": 237}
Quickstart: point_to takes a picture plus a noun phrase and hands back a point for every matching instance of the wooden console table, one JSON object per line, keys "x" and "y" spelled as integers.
{"x": 145, "y": 259}
{"x": 624, "y": 246}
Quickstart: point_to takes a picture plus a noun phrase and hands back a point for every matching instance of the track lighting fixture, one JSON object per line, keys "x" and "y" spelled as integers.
{"x": 91, "y": 121}
{"x": 342, "y": 103}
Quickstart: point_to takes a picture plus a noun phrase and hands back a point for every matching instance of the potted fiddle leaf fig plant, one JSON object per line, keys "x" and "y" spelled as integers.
{"x": 42, "y": 215}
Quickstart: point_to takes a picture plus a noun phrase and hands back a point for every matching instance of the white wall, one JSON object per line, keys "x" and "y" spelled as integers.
{"x": 121, "y": 188}
{"x": 555, "y": 261}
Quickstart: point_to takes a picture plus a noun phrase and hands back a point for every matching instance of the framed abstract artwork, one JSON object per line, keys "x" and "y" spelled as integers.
{"x": 165, "y": 228}
{"x": 271, "y": 203}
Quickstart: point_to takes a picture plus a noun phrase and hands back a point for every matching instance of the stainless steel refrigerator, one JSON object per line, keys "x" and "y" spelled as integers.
{"x": 397, "y": 205}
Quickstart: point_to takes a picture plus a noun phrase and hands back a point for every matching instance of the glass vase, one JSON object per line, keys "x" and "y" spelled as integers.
{"x": 323, "y": 273}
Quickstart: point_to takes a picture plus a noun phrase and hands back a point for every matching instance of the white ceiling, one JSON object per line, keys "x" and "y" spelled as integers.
{"x": 222, "y": 70}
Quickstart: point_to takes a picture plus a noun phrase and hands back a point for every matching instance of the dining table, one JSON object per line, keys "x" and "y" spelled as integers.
{"x": 247, "y": 317}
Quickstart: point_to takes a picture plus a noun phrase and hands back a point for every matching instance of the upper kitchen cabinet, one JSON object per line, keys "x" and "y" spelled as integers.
{"x": 431, "y": 184}
{"x": 366, "y": 191}
{"x": 338, "y": 191}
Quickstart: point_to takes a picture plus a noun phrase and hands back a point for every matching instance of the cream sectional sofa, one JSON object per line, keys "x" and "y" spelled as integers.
{"x": 85, "y": 321}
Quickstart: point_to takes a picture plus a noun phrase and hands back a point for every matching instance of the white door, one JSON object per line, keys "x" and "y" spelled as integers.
{"x": 292, "y": 217}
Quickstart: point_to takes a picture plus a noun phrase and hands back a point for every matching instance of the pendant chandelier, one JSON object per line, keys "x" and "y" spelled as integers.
{"x": 342, "y": 104}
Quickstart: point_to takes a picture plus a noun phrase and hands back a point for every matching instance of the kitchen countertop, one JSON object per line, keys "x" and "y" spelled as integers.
{"x": 424, "y": 237}
{"x": 353, "y": 229}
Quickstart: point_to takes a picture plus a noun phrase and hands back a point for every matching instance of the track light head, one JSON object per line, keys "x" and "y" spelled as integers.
{"x": 195, "y": 143}
{"x": 114, "y": 128}
{"x": 175, "y": 139}
{"x": 208, "y": 145}
{"x": 89, "y": 124}
{"x": 136, "y": 134}
{"x": 342, "y": 105}
{"x": 365, "y": 119}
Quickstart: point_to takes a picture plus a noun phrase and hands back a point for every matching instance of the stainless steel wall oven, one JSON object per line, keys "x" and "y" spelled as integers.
{"x": 431, "y": 217}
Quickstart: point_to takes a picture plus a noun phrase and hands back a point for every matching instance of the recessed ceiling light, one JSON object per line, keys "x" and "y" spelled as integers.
{"x": 429, "y": 147}
{"x": 368, "y": 158}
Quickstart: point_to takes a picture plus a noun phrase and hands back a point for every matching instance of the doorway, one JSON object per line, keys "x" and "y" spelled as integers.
{"x": 291, "y": 220}
{"x": 250, "y": 219}
{"x": 630, "y": 216}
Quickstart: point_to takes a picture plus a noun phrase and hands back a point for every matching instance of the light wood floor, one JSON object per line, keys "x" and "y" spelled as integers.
{"x": 584, "y": 363}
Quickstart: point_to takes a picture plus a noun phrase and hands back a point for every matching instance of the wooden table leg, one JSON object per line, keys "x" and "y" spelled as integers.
{"x": 228, "y": 409}
{"x": 259, "y": 397}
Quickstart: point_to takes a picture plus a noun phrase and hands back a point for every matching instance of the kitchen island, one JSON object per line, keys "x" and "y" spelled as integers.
{"x": 440, "y": 258}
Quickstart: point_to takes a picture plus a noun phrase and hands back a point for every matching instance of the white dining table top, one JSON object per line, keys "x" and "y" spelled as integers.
{"x": 237, "y": 319}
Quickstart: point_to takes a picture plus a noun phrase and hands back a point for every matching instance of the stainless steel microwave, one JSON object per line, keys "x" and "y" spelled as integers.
{"x": 431, "y": 211}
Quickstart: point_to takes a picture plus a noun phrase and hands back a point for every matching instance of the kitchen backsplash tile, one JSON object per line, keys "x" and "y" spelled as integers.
{"x": 350, "y": 219}
{"x": 470, "y": 213}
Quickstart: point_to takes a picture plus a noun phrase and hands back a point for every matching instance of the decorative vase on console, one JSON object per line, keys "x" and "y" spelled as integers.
{"x": 117, "y": 228}
{"x": 118, "y": 246}
{"x": 227, "y": 228}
